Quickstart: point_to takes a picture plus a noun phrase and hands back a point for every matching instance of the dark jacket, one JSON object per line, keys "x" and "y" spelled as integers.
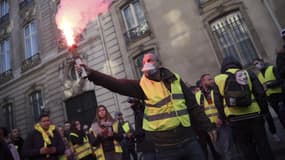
{"x": 257, "y": 88}
{"x": 132, "y": 88}
{"x": 34, "y": 142}
{"x": 280, "y": 62}
{"x": 5, "y": 153}
{"x": 143, "y": 143}
{"x": 77, "y": 140}
{"x": 106, "y": 141}
{"x": 19, "y": 145}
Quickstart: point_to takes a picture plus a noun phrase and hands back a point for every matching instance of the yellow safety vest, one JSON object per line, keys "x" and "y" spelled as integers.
{"x": 267, "y": 78}
{"x": 236, "y": 111}
{"x": 62, "y": 157}
{"x": 209, "y": 109}
{"x": 126, "y": 127}
{"x": 99, "y": 152}
{"x": 84, "y": 150}
{"x": 164, "y": 110}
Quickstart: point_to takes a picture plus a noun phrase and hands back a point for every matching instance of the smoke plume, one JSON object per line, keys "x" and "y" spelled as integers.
{"x": 73, "y": 15}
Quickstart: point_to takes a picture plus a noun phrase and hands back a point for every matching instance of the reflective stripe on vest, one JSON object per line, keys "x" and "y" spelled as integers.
{"x": 209, "y": 109}
{"x": 253, "y": 108}
{"x": 83, "y": 150}
{"x": 99, "y": 152}
{"x": 164, "y": 110}
{"x": 267, "y": 78}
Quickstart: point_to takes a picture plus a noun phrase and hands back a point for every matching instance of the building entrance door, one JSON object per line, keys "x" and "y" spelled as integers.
{"x": 82, "y": 107}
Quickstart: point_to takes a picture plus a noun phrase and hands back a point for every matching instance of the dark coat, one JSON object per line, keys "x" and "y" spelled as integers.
{"x": 5, "y": 153}
{"x": 280, "y": 62}
{"x": 132, "y": 88}
{"x": 143, "y": 144}
{"x": 34, "y": 142}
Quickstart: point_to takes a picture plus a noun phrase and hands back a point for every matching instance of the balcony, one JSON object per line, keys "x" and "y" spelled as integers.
{"x": 31, "y": 62}
{"x": 137, "y": 32}
{"x": 6, "y": 76}
{"x": 4, "y": 20}
{"x": 26, "y": 4}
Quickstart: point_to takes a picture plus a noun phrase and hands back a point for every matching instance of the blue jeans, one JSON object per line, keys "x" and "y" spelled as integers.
{"x": 190, "y": 149}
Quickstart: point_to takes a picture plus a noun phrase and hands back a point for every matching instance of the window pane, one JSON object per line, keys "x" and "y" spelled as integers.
{"x": 27, "y": 31}
{"x": 33, "y": 27}
{"x": 4, "y": 7}
{"x": 233, "y": 37}
{"x": 8, "y": 116}
{"x": 129, "y": 18}
{"x": 28, "y": 48}
{"x": 5, "y": 56}
{"x": 34, "y": 44}
{"x": 2, "y": 57}
{"x": 31, "y": 39}
{"x": 139, "y": 12}
{"x": 37, "y": 104}
{"x": 6, "y": 53}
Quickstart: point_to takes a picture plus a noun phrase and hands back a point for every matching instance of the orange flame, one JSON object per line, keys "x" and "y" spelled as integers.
{"x": 73, "y": 16}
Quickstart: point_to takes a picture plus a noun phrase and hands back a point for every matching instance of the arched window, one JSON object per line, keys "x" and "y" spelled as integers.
{"x": 233, "y": 38}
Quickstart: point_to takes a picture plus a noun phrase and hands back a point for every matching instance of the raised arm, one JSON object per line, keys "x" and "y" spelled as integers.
{"x": 122, "y": 86}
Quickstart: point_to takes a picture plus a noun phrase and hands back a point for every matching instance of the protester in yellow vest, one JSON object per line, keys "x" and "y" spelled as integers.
{"x": 205, "y": 98}
{"x": 107, "y": 138}
{"x": 170, "y": 106}
{"x": 246, "y": 122}
{"x": 209, "y": 99}
{"x": 44, "y": 142}
{"x": 80, "y": 142}
{"x": 68, "y": 152}
{"x": 128, "y": 141}
{"x": 269, "y": 78}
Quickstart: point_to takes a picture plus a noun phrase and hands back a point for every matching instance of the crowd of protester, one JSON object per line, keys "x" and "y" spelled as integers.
{"x": 222, "y": 114}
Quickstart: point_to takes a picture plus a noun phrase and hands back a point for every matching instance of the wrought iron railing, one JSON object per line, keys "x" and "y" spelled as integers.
{"x": 137, "y": 32}
{"x": 26, "y": 3}
{"x": 4, "y": 19}
{"x": 6, "y": 76}
{"x": 31, "y": 62}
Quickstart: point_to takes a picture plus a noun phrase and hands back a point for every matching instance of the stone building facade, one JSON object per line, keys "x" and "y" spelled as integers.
{"x": 190, "y": 36}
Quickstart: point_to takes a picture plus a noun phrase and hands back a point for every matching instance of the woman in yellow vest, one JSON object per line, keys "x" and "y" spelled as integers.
{"x": 107, "y": 137}
{"x": 80, "y": 142}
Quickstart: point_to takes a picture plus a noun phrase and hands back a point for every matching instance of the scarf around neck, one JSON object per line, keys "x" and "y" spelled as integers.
{"x": 46, "y": 137}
